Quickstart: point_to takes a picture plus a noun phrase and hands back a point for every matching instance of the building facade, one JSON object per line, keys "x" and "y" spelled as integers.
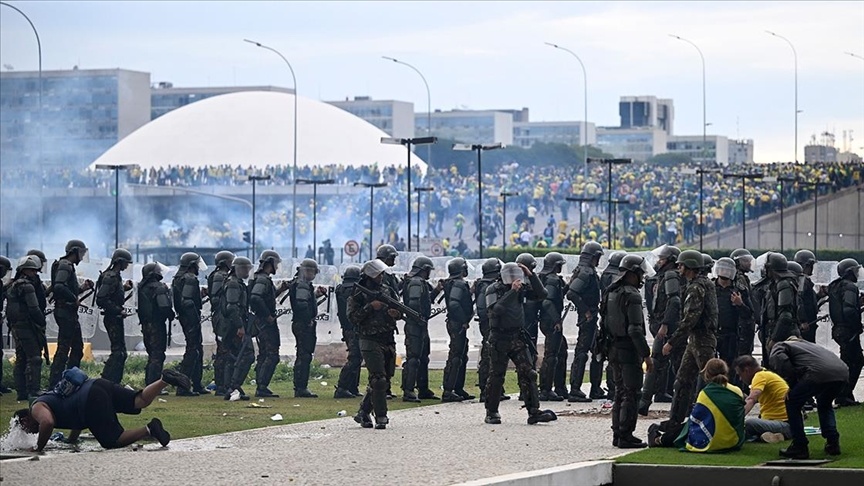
{"x": 647, "y": 112}
{"x": 468, "y": 126}
{"x": 82, "y": 114}
{"x": 638, "y": 144}
{"x": 702, "y": 150}
{"x": 526, "y": 134}
{"x": 741, "y": 151}
{"x": 164, "y": 97}
{"x": 394, "y": 117}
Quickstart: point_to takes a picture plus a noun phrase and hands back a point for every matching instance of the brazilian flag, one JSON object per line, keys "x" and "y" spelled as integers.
{"x": 717, "y": 421}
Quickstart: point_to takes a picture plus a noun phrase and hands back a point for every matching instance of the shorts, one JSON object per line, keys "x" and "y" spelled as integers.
{"x": 105, "y": 400}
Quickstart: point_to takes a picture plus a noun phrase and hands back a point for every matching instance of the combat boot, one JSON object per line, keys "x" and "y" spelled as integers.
{"x": 662, "y": 398}
{"x": 541, "y": 416}
{"x": 427, "y": 395}
{"x": 265, "y": 393}
{"x": 576, "y": 395}
{"x": 832, "y": 448}
{"x": 549, "y": 396}
{"x": 364, "y": 419}
{"x": 465, "y": 395}
{"x": 410, "y": 396}
{"x": 597, "y": 394}
{"x": 630, "y": 442}
{"x": 504, "y": 396}
{"x": 796, "y": 451}
{"x": 643, "y": 408}
{"x": 182, "y": 392}
{"x": 493, "y": 418}
{"x": 304, "y": 393}
{"x": 381, "y": 422}
{"x": 449, "y": 396}
{"x": 342, "y": 393}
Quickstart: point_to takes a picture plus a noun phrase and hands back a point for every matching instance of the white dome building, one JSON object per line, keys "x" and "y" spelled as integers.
{"x": 256, "y": 128}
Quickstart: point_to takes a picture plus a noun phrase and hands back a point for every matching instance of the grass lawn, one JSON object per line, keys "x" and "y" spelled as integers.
{"x": 197, "y": 416}
{"x": 850, "y": 422}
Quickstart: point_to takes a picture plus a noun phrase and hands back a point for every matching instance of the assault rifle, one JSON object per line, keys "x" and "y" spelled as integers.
{"x": 390, "y": 302}
{"x": 440, "y": 310}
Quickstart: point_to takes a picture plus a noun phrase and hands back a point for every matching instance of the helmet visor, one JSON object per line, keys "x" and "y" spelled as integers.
{"x": 725, "y": 270}
{"x": 647, "y": 268}
{"x": 201, "y": 265}
{"x": 85, "y": 255}
{"x": 510, "y": 273}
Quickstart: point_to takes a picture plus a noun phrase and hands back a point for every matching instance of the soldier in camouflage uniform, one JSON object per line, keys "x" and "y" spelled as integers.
{"x": 460, "y": 311}
{"x": 262, "y": 303}
{"x": 747, "y": 325}
{"x": 215, "y": 290}
{"x": 236, "y": 331}
{"x": 584, "y": 292}
{"x": 807, "y": 295}
{"x": 64, "y": 282}
{"x": 554, "y": 368}
{"x": 491, "y": 272}
{"x": 304, "y": 306}
{"x": 110, "y": 297}
{"x": 349, "y": 377}
{"x": 622, "y": 330}
{"x": 27, "y": 326}
{"x": 186, "y": 294}
{"x": 781, "y": 309}
{"x": 376, "y": 325}
{"x": 154, "y": 314}
{"x": 5, "y": 266}
{"x": 509, "y": 341}
{"x": 417, "y": 295}
{"x": 698, "y": 327}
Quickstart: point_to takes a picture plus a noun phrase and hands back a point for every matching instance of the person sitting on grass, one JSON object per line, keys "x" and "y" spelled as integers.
{"x": 78, "y": 403}
{"x": 769, "y": 390}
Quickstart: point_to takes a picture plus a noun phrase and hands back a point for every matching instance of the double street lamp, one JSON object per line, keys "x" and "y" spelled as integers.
{"x": 609, "y": 163}
{"x": 315, "y": 183}
{"x": 479, "y": 148}
{"x": 585, "y": 124}
{"x": 743, "y": 178}
{"x": 428, "y": 112}
{"x": 408, "y": 142}
{"x": 581, "y": 201}
{"x": 372, "y": 186}
{"x": 255, "y": 179}
{"x": 815, "y": 185}
{"x": 781, "y": 180}
{"x": 701, "y": 173}
{"x": 419, "y": 191}
{"x": 116, "y": 169}
{"x": 795, "y": 57}
{"x": 505, "y": 195}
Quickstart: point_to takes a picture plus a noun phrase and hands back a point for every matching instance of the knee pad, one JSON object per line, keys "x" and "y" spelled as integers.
{"x": 34, "y": 361}
{"x": 412, "y": 363}
{"x": 122, "y": 354}
{"x": 531, "y": 374}
{"x": 378, "y": 383}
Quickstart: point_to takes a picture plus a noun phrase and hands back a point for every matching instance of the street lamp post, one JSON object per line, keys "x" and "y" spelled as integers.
{"x": 419, "y": 191}
{"x": 704, "y": 101}
{"x": 505, "y": 195}
{"x": 795, "y": 56}
{"x": 744, "y": 178}
{"x": 315, "y": 183}
{"x": 609, "y": 163}
{"x": 585, "y": 125}
{"x": 616, "y": 203}
{"x": 701, "y": 173}
{"x": 254, "y": 180}
{"x": 294, "y": 168}
{"x": 428, "y": 112}
{"x": 116, "y": 169}
{"x": 581, "y": 200}
{"x": 408, "y": 142}
{"x": 371, "y": 186}
{"x": 781, "y": 180}
{"x": 479, "y": 148}
{"x": 816, "y": 185}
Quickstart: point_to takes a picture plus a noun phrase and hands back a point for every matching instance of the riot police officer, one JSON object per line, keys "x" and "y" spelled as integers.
{"x": 664, "y": 321}
{"x": 304, "y": 307}
{"x": 623, "y": 331}
{"x": 460, "y": 311}
{"x": 584, "y": 292}
{"x": 531, "y": 307}
{"x": 262, "y": 303}
{"x": 731, "y": 311}
{"x": 491, "y": 272}
{"x": 606, "y": 278}
{"x": 509, "y": 341}
{"x": 215, "y": 290}
{"x": 388, "y": 254}
{"x": 186, "y": 294}
{"x": 781, "y": 310}
{"x": 844, "y": 307}
{"x": 747, "y": 325}
{"x": 698, "y": 328}
{"x": 236, "y": 331}
{"x": 64, "y": 282}
{"x": 376, "y": 324}
{"x": 349, "y": 377}
{"x": 110, "y": 297}
{"x": 27, "y": 325}
{"x": 553, "y": 371}
{"x": 41, "y": 292}
{"x": 5, "y": 266}
{"x": 417, "y": 294}
{"x": 809, "y": 309}
{"x": 155, "y": 313}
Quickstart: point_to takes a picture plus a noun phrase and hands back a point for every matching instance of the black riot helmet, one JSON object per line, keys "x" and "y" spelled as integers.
{"x": 849, "y": 267}
{"x": 38, "y": 253}
{"x": 592, "y": 248}
{"x": 308, "y": 269}
{"x": 457, "y": 267}
{"x": 189, "y": 259}
{"x": 420, "y": 264}
{"x": 151, "y": 269}
{"x": 709, "y": 263}
{"x": 76, "y": 246}
{"x": 121, "y": 256}
{"x": 528, "y": 260}
{"x": 805, "y": 258}
{"x": 491, "y": 268}
{"x": 271, "y": 257}
{"x": 637, "y": 265}
{"x": 616, "y": 257}
{"x": 352, "y": 274}
{"x": 552, "y": 262}
{"x": 242, "y": 266}
{"x": 743, "y": 259}
{"x": 795, "y": 268}
{"x": 777, "y": 262}
{"x": 5, "y": 266}
{"x": 224, "y": 259}
{"x": 387, "y": 254}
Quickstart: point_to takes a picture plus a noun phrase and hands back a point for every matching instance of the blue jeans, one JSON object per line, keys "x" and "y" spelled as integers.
{"x": 825, "y": 394}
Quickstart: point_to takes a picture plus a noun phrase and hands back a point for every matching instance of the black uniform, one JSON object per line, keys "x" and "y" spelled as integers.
{"x": 110, "y": 297}
{"x": 553, "y": 371}
{"x": 187, "y": 304}
{"x": 729, "y": 317}
{"x": 460, "y": 311}
{"x": 417, "y": 295}
{"x": 606, "y": 279}
{"x": 758, "y": 300}
{"x": 215, "y": 289}
{"x": 70, "y": 344}
{"x": 349, "y": 377}
{"x": 808, "y": 312}
{"x": 508, "y": 341}
{"x": 584, "y": 292}
{"x": 155, "y": 315}
{"x": 235, "y": 316}
{"x": 304, "y": 310}
{"x": 27, "y": 325}
{"x": 747, "y": 324}
{"x": 781, "y": 310}
{"x": 262, "y": 302}
{"x": 844, "y": 308}
{"x": 480, "y": 287}
{"x": 666, "y": 311}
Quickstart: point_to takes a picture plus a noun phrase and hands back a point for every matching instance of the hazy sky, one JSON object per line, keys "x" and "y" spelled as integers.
{"x": 490, "y": 55}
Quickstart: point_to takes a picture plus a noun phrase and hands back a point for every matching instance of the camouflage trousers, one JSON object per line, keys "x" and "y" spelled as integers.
{"x": 700, "y": 348}
{"x": 506, "y": 346}
{"x": 380, "y": 359}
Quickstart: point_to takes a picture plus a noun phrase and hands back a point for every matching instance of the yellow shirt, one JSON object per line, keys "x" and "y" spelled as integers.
{"x": 771, "y": 401}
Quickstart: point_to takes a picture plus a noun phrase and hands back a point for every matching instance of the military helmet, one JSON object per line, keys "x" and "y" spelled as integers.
{"x": 592, "y": 248}
{"x": 188, "y": 259}
{"x": 38, "y": 253}
{"x": 725, "y": 267}
{"x": 777, "y": 262}
{"x": 740, "y": 253}
{"x": 805, "y": 257}
{"x": 634, "y": 263}
{"x": 121, "y": 255}
{"x": 241, "y": 261}
{"x": 31, "y": 262}
{"x": 309, "y": 263}
{"x": 527, "y": 259}
{"x": 691, "y": 259}
{"x": 373, "y": 268}
{"x": 224, "y": 258}
{"x": 270, "y": 256}
{"x": 708, "y": 261}
{"x": 5, "y": 264}
{"x": 795, "y": 268}
{"x": 422, "y": 263}
{"x": 352, "y": 274}
{"x": 457, "y": 267}
{"x": 615, "y": 258}
{"x": 552, "y": 260}
{"x": 76, "y": 246}
{"x": 150, "y": 268}
{"x": 847, "y": 266}
{"x": 385, "y": 252}
{"x": 666, "y": 251}
{"x": 491, "y": 267}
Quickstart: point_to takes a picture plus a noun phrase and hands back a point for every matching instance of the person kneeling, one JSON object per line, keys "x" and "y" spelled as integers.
{"x": 769, "y": 390}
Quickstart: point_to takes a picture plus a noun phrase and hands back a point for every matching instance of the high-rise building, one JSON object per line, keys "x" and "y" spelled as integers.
{"x": 646, "y": 111}
{"x": 468, "y": 126}
{"x": 526, "y": 134}
{"x": 396, "y": 118}
{"x": 83, "y": 113}
{"x": 164, "y": 97}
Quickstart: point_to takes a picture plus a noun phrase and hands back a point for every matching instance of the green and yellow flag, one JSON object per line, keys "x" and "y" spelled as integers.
{"x": 717, "y": 421}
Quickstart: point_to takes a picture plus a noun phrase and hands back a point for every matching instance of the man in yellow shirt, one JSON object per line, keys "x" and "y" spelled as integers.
{"x": 769, "y": 390}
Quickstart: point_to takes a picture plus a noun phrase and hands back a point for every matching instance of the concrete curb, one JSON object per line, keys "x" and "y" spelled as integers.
{"x": 590, "y": 473}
